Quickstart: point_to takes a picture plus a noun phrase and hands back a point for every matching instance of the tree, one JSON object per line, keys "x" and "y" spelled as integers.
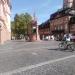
{"x": 22, "y": 23}
{"x": 12, "y": 29}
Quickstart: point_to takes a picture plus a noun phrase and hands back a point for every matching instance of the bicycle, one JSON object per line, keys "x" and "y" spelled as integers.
{"x": 64, "y": 45}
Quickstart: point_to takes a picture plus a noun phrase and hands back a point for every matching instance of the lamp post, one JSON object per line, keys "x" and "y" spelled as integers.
{"x": 49, "y": 28}
{"x": 37, "y": 33}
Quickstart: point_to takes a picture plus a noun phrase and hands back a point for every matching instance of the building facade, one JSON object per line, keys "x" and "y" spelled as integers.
{"x": 44, "y": 30}
{"x": 61, "y": 22}
{"x": 5, "y": 29}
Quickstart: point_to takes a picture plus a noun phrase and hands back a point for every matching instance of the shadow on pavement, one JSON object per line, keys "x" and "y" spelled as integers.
{"x": 64, "y": 50}
{"x": 53, "y": 49}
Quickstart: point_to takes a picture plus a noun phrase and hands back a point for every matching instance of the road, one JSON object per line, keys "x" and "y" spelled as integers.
{"x": 35, "y": 58}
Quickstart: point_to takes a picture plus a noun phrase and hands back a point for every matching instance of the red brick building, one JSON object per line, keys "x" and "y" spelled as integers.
{"x": 72, "y": 25}
{"x": 44, "y": 29}
{"x": 60, "y": 23}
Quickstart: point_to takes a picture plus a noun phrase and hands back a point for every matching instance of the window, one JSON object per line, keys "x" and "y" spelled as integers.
{"x": 61, "y": 27}
{"x": 66, "y": 26}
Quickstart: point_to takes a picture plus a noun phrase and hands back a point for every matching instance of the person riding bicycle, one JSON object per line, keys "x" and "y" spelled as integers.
{"x": 66, "y": 37}
{"x": 66, "y": 43}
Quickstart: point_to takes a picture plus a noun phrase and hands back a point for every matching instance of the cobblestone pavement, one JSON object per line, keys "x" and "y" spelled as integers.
{"x": 35, "y": 58}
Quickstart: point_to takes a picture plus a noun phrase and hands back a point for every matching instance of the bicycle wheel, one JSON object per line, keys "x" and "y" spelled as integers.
{"x": 71, "y": 47}
{"x": 62, "y": 46}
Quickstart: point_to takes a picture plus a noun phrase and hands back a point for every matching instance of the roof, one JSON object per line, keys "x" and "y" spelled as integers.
{"x": 45, "y": 24}
{"x": 60, "y": 13}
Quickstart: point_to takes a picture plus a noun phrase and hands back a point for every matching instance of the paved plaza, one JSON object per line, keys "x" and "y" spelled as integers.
{"x": 35, "y": 58}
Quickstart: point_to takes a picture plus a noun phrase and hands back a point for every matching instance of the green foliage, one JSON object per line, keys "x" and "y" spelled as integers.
{"x": 20, "y": 24}
{"x": 12, "y": 28}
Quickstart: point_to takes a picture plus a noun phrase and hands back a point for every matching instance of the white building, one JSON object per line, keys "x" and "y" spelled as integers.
{"x": 5, "y": 29}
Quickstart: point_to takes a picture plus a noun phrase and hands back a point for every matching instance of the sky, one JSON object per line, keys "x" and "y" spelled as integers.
{"x": 42, "y": 8}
